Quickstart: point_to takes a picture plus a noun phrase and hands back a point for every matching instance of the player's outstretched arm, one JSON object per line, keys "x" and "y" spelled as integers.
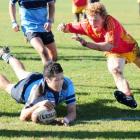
{"x": 76, "y": 28}
{"x": 12, "y": 13}
{"x": 103, "y": 46}
{"x": 71, "y": 110}
{"x": 62, "y": 27}
{"x": 70, "y": 117}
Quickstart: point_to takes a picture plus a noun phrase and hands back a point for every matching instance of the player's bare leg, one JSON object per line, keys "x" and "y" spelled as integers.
{"x": 123, "y": 94}
{"x": 5, "y": 84}
{"x": 116, "y": 66}
{"x": 16, "y": 65}
{"x": 39, "y": 47}
{"x": 77, "y": 17}
{"x": 52, "y": 51}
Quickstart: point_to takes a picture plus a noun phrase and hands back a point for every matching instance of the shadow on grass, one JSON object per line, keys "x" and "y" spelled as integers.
{"x": 28, "y": 56}
{"x": 80, "y": 58}
{"x": 86, "y": 112}
{"x": 70, "y": 135}
{"x": 102, "y": 109}
{"x": 9, "y": 114}
{"x": 134, "y": 90}
{"x": 72, "y": 48}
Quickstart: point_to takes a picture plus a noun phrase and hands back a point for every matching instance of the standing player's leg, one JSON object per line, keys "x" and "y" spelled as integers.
{"x": 123, "y": 95}
{"x": 77, "y": 17}
{"x": 16, "y": 65}
{"x": 37, "y": 43}
{"x": 115, "y": 67}
{"x": 52, "y": 51}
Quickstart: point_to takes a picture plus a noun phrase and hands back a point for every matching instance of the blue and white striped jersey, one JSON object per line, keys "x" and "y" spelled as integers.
{"x": 67, "y": 94}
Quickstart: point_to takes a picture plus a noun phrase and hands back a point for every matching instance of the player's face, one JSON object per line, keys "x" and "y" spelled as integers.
{"x": 96, "y": 21}
{"x": 56, "y": 82}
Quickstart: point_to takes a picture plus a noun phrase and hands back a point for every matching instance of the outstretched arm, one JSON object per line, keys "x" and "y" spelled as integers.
{"x": 103, "y": 46}
{"x": 71, "y": 116}
{"x": 76, "y": 28}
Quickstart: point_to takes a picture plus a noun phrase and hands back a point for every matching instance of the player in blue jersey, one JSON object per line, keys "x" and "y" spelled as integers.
{"x": 36, "y": 89}
{"x": 37, "y": 17}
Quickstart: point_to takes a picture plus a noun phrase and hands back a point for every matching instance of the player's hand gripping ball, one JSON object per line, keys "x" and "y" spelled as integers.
{"x": 44, "y": 115}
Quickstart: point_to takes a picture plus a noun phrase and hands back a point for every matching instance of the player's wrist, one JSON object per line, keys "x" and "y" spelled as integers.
{"x": 66, "y": 120}
{"x": 83, "y": 42}
{"x": 14, "y": 24}
{"x": 50, "y": 21}
{"x": 14, "y": 21}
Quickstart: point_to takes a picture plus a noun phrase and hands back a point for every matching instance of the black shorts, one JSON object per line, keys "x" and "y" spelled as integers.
{"x": 18, "y": 90}
{"x": 47, "y": 37}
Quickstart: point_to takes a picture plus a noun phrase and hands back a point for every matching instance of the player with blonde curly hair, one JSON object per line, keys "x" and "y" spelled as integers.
{"x": 109, "y": 36}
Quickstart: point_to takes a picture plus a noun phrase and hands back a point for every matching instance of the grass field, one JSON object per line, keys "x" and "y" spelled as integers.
{"x": 99, "y": 116}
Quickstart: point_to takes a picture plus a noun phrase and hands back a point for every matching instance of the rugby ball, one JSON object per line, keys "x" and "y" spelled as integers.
{"x": 44, "y": 115}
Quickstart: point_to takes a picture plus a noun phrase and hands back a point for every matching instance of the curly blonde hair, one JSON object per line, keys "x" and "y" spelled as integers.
{"x": 96, "y": 8}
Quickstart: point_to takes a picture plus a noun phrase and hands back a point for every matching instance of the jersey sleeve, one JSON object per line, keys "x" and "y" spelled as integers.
{"x": 70, "y": 98}
{"x": 76, "y": 28}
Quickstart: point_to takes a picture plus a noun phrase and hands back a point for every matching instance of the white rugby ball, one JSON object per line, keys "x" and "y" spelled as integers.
{"x": 44, "y": 115}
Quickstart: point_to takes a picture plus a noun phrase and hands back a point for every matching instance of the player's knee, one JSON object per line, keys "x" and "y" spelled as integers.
{"x": 54, "y": 58}
{"x": 42, "y": 51}
{"x": 116, "y": 71}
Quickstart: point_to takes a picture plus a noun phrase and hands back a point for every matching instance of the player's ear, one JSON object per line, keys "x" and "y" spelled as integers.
{"x": 47, "y": 80}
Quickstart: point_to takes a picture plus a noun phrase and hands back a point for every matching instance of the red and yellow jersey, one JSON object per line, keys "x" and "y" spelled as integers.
{"x": 79, "y": 3}
{"x": 112, "y": 32}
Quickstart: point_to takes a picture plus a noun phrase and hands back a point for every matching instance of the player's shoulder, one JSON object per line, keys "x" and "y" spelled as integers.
{"x": 67, "y": 83}
{"x": 67, "y": 80}
{"x": 110, "y": 22}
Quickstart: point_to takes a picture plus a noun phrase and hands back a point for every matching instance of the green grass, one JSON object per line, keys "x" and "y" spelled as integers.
{"x": 98, "y": 113}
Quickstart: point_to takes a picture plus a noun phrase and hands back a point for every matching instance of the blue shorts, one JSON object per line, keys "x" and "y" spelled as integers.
{"x": 46, "y": 37}
{"x": 18, "y": 90}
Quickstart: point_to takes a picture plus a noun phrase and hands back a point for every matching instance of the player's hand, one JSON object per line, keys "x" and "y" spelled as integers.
{"x": 46, "y": 103}
{"x": 48, "y": 26}
{"x": 61, "y": 27}
{"x": 15, "y": 27}
{"x": 80, "y": 39}
{"x": 60, "y": 122}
